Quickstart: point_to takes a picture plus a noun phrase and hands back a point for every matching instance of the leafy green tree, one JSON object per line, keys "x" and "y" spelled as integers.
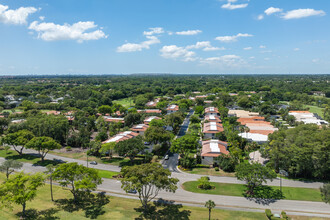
{"x": 226, "y": 162}
{"x": 105, "y": 109}
{"x": 195, "y": 119}
{"x": 18, "y": 140}
{"x": 199, "y": 110}
{"x": 325, "y": 192}
{"x": 174, "y": 120}
{"x": 43, "y": 145}
{"x": 157, "y": 123}
{"x": 9, "y": 166}
{"x": 184, "y": 145}
{"x": 254, "y": 174}
{"x": 155, "y": 134}
{"x": 148, "y": 179}
{"x": 77, "y": 178}
{"x": 20, "y": 189}
{"x": 108, "y": 148}
{"x": 4, "y": 122}
{"x": 132, "y": 119}
{"x": 49, "y": 172}
{"x": 204, "y": 183}
{"x": 130, "y": 147}
{"x": 209, "y": 205}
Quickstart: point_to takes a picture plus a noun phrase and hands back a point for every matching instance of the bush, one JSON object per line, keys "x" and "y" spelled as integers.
{"x": 226, "y": 162}
{"x": 68, "y": 148}
{"x": 268, "y": 213}
{"x": 216, "y": 169}
{"x": 204, "y": 183}
{"x": 284, "y": 216}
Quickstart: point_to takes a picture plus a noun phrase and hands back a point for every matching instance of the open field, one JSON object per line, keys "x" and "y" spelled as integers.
{"x": 127, "y": 102}
{"x": 290, "y": 193}
{"x": 116, "y": 208}
{"x": 315, "y": 109}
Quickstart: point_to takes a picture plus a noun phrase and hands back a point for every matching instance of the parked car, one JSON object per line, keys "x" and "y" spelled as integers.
{"x": 93, "y": 163}
{"x": 132, "y": 191}
{"x": 166, "y": 157}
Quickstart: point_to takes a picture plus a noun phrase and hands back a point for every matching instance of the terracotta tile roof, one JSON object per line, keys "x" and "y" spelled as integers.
{"x": 213, "y": 148}
{"x": 212, "y": 128}
{"x": 299, "y": 112}
{"x": 140, "y": 127}
{"x": 148, "y": 111}
{"x": 172, "y": 108}
{"x": 111, "y": 119}
{"x": 264, "y": 132}
{"x": 53, "y": 113}
{"x": 212, "y": 118}
{"x": 121, "y": 137}
{"x": 149, "y": 119}
{"x": 211, "y": 110}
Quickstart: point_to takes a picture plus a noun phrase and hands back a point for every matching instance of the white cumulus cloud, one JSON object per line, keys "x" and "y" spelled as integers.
{"x": 272, "y": 10}
{"x": 132, "y": 47}
{"x": 260, "y": 17}
{"x": 77, "y": 31}
{"x": 227, "y": 39}
{"x": 302, "y": 13}
{"x": 247, "y": 48}
{"x": 175, "y": 52}
{"x": 188, "y": 32}
{"x": 224, "y": 61}
{"x": 17, "y": 16}
{"x": 152, "y": 31}
{"x": 231, "y": 6}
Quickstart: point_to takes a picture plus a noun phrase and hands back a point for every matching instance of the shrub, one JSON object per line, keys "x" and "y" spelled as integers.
{"x": 68, "y": 148}
{"x": 226, "y": 162}
{"x": 268, "y": 213}
{"x": 284, "y": 216}
{"x": 204, "y": 183}
{"x": 216, "y": 169}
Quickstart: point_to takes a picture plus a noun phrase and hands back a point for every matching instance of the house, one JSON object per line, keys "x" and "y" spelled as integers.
{"x": 255, "y": 137}
{"x": 211, "y": 149}
{"x": 201, "y": 97}
{"x": 149, "y": 119}
{"x": 121, "y": 137}
{"x": 140, "y": 128}
{"x": 172, "y": 108}
{"x": 212, "y": 118}
{"x": 307, "y": 117}
{"x": 112, "y": 119}
{"x": 150, "y": 111}
{"x": 53, "y": 113}
{"x": 211, "y": 111}
{"x": 210, "y": 129}
{"x": 17, "y": 121}
{"x": 242, "y": 113}
{"x": 152, "y": 104}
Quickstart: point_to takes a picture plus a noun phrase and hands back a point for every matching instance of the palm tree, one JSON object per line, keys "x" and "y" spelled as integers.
{"x": 210, "y": 205}
{"x": 50, "y": 170}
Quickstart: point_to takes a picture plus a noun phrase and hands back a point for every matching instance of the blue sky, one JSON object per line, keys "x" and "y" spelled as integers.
{"x": 164, "y": 36}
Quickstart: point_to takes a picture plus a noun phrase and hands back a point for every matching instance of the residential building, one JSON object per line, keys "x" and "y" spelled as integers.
{"x": 211, "y": 149}
{"x": 172, "y": 108}
{"x": 211, "y": 111}
{"x": 307, "y": 117}
{"x": 121, "y": 137}
{"x": 150, "y": 111}
{"x": 210, "y": 129}
{"x": 212, "y": 118}
{"x": 149, "y": 119}
{"x": 140, "y": 128}
{"x": 112, "y": 119}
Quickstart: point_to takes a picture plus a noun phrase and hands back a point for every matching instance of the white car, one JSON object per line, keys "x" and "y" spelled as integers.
{"x": 166, "y": 157}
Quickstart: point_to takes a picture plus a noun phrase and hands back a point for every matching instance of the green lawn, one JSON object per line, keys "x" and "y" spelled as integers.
{"x": 127, "y": 102}
{"x": 26, "y": 158}
{"x": 117, "y": 208}
{"x": 227, "y": 189}
{"x": 208, "y": 172}
{"x": 315, "y": 109}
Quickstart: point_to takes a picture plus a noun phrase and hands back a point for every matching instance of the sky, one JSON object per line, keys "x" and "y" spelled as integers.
{"x": 164, "y": 36}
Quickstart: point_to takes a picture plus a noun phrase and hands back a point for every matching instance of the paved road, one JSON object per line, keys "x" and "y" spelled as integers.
{"x": 227, "y": 202}
{"x": 173, "y": 159}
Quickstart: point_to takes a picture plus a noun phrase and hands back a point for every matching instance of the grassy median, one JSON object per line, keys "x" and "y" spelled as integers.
{"x": 228, "y": 189}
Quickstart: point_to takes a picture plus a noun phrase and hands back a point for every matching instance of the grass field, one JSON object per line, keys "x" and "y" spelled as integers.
{"x": 26, "y": 158}
{"x": 117, "y": 208}
{"x": 127, "y": 102}
{"x": 209, "y": 172}
{"x": 227, "y": 189}
{"x": 315, "y": 109}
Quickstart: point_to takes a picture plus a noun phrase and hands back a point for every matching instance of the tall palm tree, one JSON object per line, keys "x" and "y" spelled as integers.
{"x": 210, "y": 205}
{"x": 50, "y": 170}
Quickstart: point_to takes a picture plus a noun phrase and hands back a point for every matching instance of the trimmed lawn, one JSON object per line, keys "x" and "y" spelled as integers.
{"x": 117, "y": 161}
{"x": 26, "y": 158}
{"x": 227, "y": 189}
{"x": 127, "y": 102}
{"x": 117, "y": 208}
{"x": 315, "y": 109}
{"x": 208, "y": 172}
